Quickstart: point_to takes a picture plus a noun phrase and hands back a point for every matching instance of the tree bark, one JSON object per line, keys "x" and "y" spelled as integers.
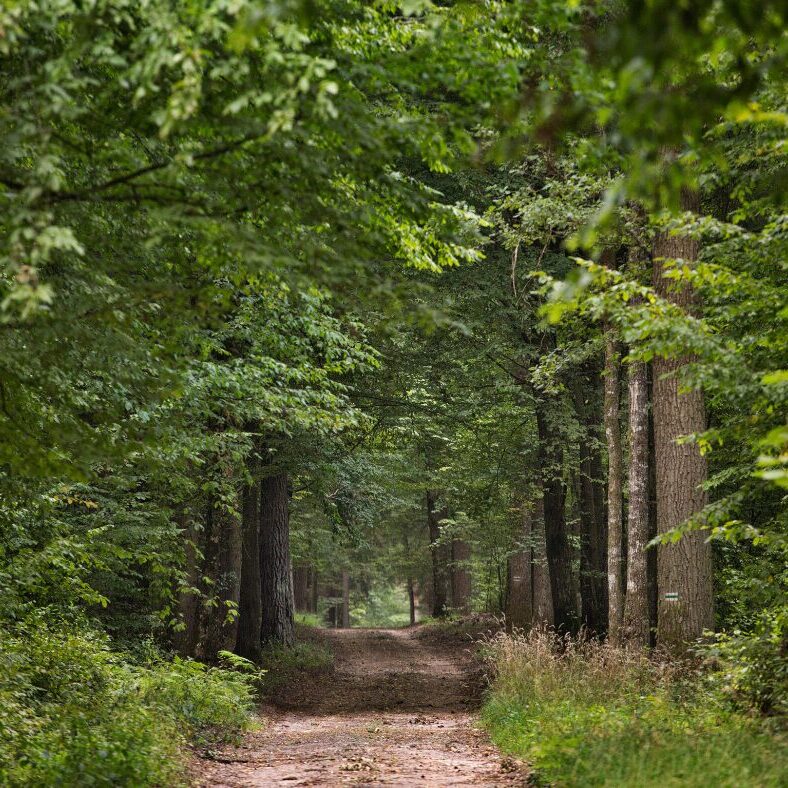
{"x": 460, "y": 575}
{"x": 559, "y": 551}
{"x": 276, "y": 588}
{"x": 439, "y": 573}
{"x": 684, "y": 569}
{"x": 345, "y": 599}
{"x": 540, "y": 571}
{"x": 313, "y": 590}
{"x": 301, "y": 587}
{"x": 221, "y": 626}
{"x": 615, "y": 584}
{"x": 593, "y": 525}
{"x": 635, "y": 627}
{"x": 250, "y": 610}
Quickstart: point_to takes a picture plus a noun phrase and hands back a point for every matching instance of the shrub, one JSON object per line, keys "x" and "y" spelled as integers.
{"x": 284, "y": 664}
{"x": 753, "y": 666}
{"x": 74, "y": 713}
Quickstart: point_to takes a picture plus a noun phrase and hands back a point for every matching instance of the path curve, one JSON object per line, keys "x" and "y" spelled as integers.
{"x": 397, "y": 710}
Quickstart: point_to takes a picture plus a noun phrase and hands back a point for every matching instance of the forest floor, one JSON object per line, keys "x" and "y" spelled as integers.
{"x": 398, "y": 708}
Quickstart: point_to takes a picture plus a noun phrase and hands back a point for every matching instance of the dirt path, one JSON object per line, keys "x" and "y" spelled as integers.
{"x": 397, "y": 710}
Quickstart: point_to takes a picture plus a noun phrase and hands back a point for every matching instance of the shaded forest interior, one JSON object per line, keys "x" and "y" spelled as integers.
{"x": 344, "y": 314}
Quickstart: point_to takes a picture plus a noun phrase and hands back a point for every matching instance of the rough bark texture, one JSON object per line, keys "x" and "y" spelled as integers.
{"x": 540, "y": 571}
{"x": 615, "y": 580}
{"x": 301, "y": 587}
{"x": 185, "y": 641}
{"x": 684, "y": 569}
{"x": 439, "y": 568}
{"x": 460, "y": 575}
{"x": 559, "y": 551}
{"x": 635, "y": 628}
{"x": 593, "y": 523}
{"x": 412, "y": 601}
{"x": 250, "y": 609}
{"x": 221, "y": 623}
{"x": 520, "y": 595}
{"x": 276, "y": 588}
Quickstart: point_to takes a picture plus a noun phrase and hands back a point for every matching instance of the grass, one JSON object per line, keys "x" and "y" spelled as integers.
{"x": 308, "y": 619}
{"x": 586, "y": 714}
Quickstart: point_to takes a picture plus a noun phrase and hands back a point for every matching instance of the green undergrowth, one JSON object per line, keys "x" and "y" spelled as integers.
{"x": 73, "y": 712}
{"x": 596, "y": 715}
{"x": 308, "y": 619}
{"x": 283, "y": 665}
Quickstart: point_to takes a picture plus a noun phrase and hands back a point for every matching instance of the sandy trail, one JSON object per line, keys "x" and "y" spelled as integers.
{"x": 397, "y": 710}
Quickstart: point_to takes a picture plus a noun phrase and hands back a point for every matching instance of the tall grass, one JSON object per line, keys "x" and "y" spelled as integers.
{"x": 585, "y": 714}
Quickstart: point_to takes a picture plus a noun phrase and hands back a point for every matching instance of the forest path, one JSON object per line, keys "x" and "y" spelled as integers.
{"x": 397, "y": 710}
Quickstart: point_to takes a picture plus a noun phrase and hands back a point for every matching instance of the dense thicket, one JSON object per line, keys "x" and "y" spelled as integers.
{"x": 379, "y": 310}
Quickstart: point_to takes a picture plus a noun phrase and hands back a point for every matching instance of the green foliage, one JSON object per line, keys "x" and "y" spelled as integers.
{"x": 751, "y": 665}
{"x": 74, "y": 712}
{"x": 383, "y": 606}
{"x": 587, "y": 714}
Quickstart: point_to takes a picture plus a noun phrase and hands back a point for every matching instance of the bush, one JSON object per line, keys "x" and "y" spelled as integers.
{"x": 282, "y": 664}
{"x": 584, "y": 713}
{"x": 74, "y": 713}
{"x": 753, "y": 666}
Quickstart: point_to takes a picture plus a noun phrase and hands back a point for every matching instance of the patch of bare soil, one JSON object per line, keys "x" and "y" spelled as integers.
{"x": 396, "y": 710}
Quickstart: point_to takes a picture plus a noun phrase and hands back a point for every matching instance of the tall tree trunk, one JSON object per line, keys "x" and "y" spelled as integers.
{"x": 313, "y": 590}
{"x": 684, "y": 569}
{"x": 439, "y": 573}
{"x": 345, "y": 598}
{"x": 185, "y": 640}
{"x": 221, "y": 625}
{"x": 276, "y": 588}
{"x": 520, "y": 596}
{"x": 559, "y": 551}
{"x": 250, "y": 610}
{"x": 593, "y": 526}
{"x": 411, "y": 601}
{"x": 615, "y": 581}
{"x": 635, "y": 627}
{"x": 542, "y": 592}
{"x": 301, "y": 587}
{"x": 460, "y": 575}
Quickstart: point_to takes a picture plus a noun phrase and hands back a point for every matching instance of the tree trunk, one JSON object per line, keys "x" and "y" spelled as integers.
{"x": 615, "y": 585}
{"x": 559, "y": 551}
{"x": 250, "y": 609}
{"x": 301, "y": 587}
{"x": 439, "y": 573}
{"x": 185, "y": 640}
{"x": 635, "y": 627}
{"x": 313, "y": 590}
{"x": 593, "y": 530}
{"x": 520, "y": 596}
{"x": 276, "y": 588}
{"x": 684, "y": 569}
{"x": 221, "y": 626}
{"x": 540, "y": 571}
{"x": 460, "y": 575}
{"x": 412, "y": 601}
{"x": 345, "y": 599}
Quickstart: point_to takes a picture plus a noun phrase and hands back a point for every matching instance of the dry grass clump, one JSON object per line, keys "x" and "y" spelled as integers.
{"x": 544, "y": 659}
